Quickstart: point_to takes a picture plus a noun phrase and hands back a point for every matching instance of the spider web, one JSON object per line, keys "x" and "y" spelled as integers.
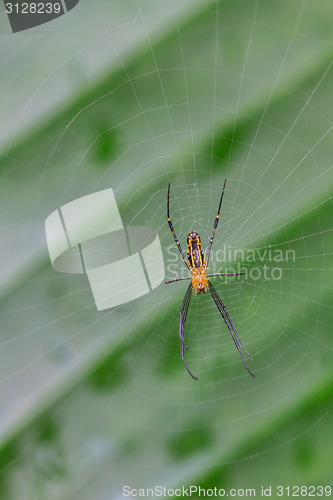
{"x": 136, "y": 96}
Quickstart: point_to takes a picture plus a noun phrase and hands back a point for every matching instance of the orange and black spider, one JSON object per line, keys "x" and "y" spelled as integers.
{"x": 200, "y": 283}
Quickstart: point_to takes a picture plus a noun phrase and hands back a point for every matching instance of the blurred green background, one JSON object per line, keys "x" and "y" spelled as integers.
{"x": 133, "y": 95}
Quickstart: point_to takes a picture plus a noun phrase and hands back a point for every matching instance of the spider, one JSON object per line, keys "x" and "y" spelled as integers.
{"x": 200, "y": 283}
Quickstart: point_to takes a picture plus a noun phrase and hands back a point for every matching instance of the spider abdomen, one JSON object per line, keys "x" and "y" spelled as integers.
{"x": 195, "y": 254}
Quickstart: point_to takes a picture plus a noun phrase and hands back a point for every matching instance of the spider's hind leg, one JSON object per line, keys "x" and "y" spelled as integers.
{"x": 182, "y": 320}
{"x": 230, "y": 325}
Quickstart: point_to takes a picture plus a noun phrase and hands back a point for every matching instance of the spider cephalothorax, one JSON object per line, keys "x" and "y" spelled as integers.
{"x": 200, "y": 283}
{"x": 199, "y": 279}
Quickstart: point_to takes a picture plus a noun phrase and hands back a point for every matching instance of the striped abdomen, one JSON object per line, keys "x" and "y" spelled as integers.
{"x": 195, "y": 254}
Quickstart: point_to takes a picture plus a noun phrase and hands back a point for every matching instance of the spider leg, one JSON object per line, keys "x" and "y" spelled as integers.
{"x": 230, "y": 325}
{"x": 177, "y": 279}
{"x": 224, "y": 274}
{"x": 172, "y": 229}
{"x": 215, "y": 224}
{"x": 183, "y": 315}
{"x": 182, "y": 319}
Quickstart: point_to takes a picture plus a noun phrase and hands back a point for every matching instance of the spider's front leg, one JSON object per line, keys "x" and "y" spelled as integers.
{"x": 182, "y": 320}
